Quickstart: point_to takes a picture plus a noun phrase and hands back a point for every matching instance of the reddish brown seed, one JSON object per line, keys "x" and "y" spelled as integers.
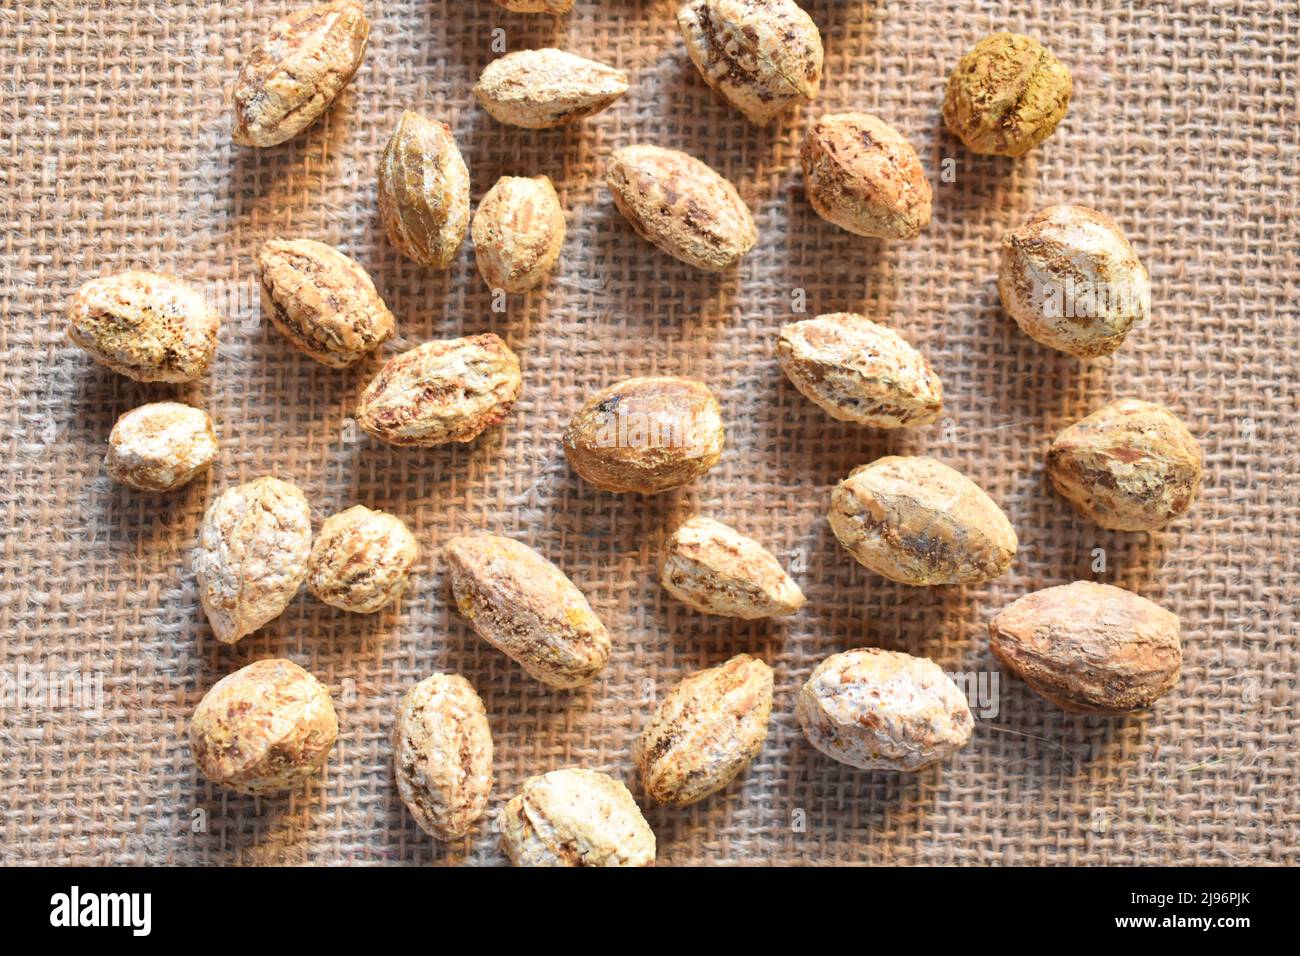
{"x": 862, "y": 175}
{"x": 1090, "y": 648}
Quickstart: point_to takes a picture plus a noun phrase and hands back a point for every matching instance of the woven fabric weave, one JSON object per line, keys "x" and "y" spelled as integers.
{"x": 1183, "y": 128}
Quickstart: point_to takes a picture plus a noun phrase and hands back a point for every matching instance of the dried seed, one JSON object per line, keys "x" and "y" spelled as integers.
{"x": 1090, "y": 648}
{"x": 361, "y": 560}
{"x": 525, "y": 607}
{"x": 681, "y": 205}
{"x": 296, "y": 70}
{"x": 161, "y": 446}
{"x": 518, "y": 232}
{"x": 883, "y": 710}
{"x": 706, "y": 731}
{"x": 1006, "y": 95}
{"x": 252, "y": 555}
{"x": 442, "y": 755}
{"x": 1129, "y": 466}
{"x": 1072, "y": 281}
{"x": 717, "y": 570}
{"x": 646, "y": 435}
{"x": 859, "y": 371}
{"x": 424, "y": 191}
{"x": 440, "y": 392}
{"x": 324, "y": 303}
{"x": 862, "y": 175}
{"x": 760, "y": 55}
{"x": 539, "y": 89}
{"x": 919, "y": 522}
{"x": 266, "y": 727}
{"x": 146, "y": 326}
{"x": 576, "y": 817}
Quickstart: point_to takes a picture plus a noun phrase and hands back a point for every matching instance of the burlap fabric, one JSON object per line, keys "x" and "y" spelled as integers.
{"x": 117, "y": 154}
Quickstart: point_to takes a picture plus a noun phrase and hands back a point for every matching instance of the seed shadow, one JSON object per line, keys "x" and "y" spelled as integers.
{"x": 264, "y": 186}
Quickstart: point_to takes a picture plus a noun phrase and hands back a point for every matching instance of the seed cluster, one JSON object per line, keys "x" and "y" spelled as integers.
{"x": 1129, "y": 466}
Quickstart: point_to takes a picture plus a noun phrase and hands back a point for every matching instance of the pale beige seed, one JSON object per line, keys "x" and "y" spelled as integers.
{"x": 883, "y": 710}
{"x": 919, "y": 522}
{"x": 762, "y": 56}
{"x": 1129, "y": 466}
{"x": 442, "y": 755}
{"x": 862, "y": 175}
{"x": 160, "y": 446}
{"x": 1090, "y": 648}
{"x": 540, "y": 89}
{"x": 252, "y": 555}
{"x": 576, "y": 817}
{"x": 424, "y": 191}
{"x": 706, "y": 731}
{"x": 1006, "y": 95}
{"x": 266, "y": 727}
{"x": 717, "y": 570}
{"x": 1072, "y": 281}
{"x": 146, "y": 326}
{"x": 525, "y": 607}
{"x": 439, "y": 392}
{"x": 681, "y": 205}
{"x": 537, "y": 6}
{"x": 518, "y": 233}
{"x": 858, "y": 371}
{"x": 646, "y": 435}
{"x": 361, "y": 560}
{"x": 324, "y": 303}
{"x": 296, "y": 70}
